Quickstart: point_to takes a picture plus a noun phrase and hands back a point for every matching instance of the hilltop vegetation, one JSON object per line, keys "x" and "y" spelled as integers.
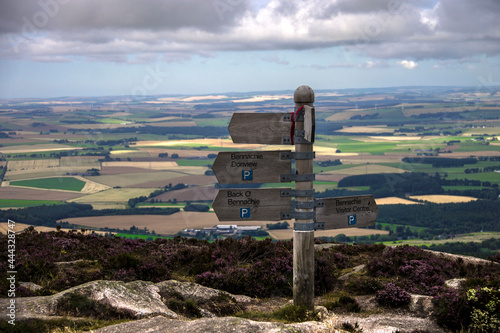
{"x": 236, "y": 266}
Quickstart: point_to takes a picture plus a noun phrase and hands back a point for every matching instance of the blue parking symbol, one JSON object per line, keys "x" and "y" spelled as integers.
{"x": 245, "y": 213}
{"x": 247, "y": 174}
{"x": 351, "y": 219}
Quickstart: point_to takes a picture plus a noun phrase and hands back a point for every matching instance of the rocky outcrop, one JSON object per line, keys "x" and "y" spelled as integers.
{"x": 151, "y": 306}
{"x": 136, "y": 299}
{"x": 213, "y": 325}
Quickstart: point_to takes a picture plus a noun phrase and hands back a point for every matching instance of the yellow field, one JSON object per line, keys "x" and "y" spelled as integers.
{"x": 29, "y": 169}
{"x": 366, "y": 129}
{"x": 81, "y": 162}
{"x": 91, "y": 186}
{"x": 114, "y": 195}
{"x": 174, "y": 124}
{"x": 394, "y": 201}
{"x": 443, "y": 198}
{"x": 35, "y": 148}
{"x": 16, "y": 166}
{"x": 151, "y": 165}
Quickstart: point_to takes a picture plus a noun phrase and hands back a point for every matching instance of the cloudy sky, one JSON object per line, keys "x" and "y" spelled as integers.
{"x": 52, "y": 48}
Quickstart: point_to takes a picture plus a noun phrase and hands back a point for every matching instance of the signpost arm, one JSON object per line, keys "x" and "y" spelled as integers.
{"x": 303, "y": 240}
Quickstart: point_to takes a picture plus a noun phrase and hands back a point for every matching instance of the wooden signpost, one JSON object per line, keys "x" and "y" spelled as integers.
{"x": 346, "y": 212}
{"x": 243, "y": 204}
{"x": 252, "y": 167}
{"x": 251, "y": 204}
{"x": 263, "y": 128}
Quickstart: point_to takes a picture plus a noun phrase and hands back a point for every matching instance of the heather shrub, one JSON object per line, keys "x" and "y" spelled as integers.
{"x": 450, "y": 310}
{"x": 344, "y": 303}
{"x": 362, "y": 285}
{"x": 393, "y": 296}
{"x": 293, "y": 314}
{"x": 421, "y": 272}
{"x": 326, "y": 265}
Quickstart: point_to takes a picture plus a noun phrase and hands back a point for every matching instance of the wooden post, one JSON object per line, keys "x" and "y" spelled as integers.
{"x": 303, "y": 241}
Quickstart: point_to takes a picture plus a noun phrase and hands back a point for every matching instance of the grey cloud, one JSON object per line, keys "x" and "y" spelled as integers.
{"x": 380, "y": 29}
{"x": 67, "y": 15}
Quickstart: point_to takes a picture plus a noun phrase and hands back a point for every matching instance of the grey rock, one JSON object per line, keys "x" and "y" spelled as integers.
{"x": 211, "y": 325}
{"x": 194, "y": 291}
{"x": 454, "y": 283}
{"x": 137, "y": 299}
{"x": 421, "y": 306}
{"x": 30, "y": 285}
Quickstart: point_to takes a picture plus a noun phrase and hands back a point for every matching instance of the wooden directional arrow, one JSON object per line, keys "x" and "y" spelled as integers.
{"x": 251, "y": 204}
{"x": 263, "y": 128}
{"x": 346, "y": 212}
{"x": 251, "y": 167}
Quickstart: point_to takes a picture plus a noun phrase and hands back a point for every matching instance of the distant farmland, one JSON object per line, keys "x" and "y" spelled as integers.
{"x": 54, "y": 183}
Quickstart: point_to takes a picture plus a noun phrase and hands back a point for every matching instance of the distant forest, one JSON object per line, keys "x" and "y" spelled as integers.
{"x": 400, "y": 184}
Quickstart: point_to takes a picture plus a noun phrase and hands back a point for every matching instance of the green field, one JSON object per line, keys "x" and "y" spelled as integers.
{"x": 54, "y": 183}
{"x": 14, "y": 203}
{"x": 193, "y": 162}
{"x": 145, "y": 237}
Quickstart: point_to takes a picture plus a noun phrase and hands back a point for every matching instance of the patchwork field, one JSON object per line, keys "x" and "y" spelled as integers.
{"x": 366, "y": 169}
{"x": 161, "y": 177}
{"x": 151, "y": 165}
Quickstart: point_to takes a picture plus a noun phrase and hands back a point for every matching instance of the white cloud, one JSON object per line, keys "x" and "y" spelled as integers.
{"x": 408, "y": 64}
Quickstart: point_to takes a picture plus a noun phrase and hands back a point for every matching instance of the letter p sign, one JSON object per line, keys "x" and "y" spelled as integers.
{"x": 245, "y": 213}
{"x": 247, "y": 174}
{"x": 351, "y": 219}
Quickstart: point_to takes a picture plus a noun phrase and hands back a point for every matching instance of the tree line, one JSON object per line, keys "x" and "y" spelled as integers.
{"x": 49, "y": 215}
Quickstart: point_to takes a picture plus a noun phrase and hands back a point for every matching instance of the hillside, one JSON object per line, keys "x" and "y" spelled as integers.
{"x": 407, "y": 289}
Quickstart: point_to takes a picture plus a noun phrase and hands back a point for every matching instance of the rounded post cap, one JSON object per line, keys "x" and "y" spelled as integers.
{"x": 304, "y": 94}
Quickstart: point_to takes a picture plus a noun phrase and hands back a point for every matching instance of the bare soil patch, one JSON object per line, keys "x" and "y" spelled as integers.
{"x": 190, "y": 194}
{"x": 36, "y": 194}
